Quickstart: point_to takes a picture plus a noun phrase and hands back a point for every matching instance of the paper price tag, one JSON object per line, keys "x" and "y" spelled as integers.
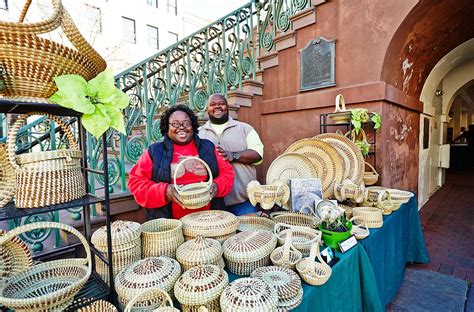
{"x": 347, "y": 244}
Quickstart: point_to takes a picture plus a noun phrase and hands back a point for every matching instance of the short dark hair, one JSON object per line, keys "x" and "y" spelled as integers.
{"x": 165, "y": 118}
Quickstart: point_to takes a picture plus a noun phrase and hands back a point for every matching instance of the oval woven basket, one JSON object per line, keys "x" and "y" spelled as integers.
{"x": 249, "y": 295}
{"x": 254, "y": 223}
{"x": 373, "y": 216}
{"x": 46, "y": 178}
{"x": 126, "y": 246}
{"x": 7, "y": 178}
{"x": 302, "y": 237}
{"x": 361, "y": 230}
{"x": 15, "y": 257}
{"x": 277, "y": 193}
{"x": 200, "y": 251}
{"x": 246, "y": 251}
{"x": 146, "y": 274}
{"x": 201, "y": 286}
{"x": 99, "y": 306}
{"x": 209, "y": 223}
{"x": 30, "y": 62}
{"x": 194, "y": 195}
{"x": 49, "y": 286}
{"x": 285, "y": 281}
{"x": 349, "y": 190}
{"x": 314, "y": 272}
{"x": 286, "y": 255}
{"x": 294, "y": 218}
{"x": 161, "y": 237}
{"x": 154, "y": 299}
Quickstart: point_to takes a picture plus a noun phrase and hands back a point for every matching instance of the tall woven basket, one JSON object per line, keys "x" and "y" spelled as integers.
{"x": 49, "y": 286}
{"x": 49, "y": 177}
{"x": 161, "y": 237}
{"x": 29, "y": 63}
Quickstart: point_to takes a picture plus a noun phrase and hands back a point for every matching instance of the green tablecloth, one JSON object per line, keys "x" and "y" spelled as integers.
{"x": 389, "y": 248}
{"x": 352, "y": 286}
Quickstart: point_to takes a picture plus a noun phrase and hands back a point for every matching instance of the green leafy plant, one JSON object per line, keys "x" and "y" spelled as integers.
{"x": 363, "y": 146}
{"x": 99, "y": 100}
{"x": 377, "y": 120}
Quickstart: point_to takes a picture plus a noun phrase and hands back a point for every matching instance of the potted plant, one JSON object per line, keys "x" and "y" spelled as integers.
{"x": 333, "y": 223}
{"x": 358, "y": 117}
{"x": 100, "y": 102}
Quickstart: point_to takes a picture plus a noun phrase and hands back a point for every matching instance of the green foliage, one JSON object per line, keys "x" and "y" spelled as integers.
{"x": 99, "y": 100}
{"x": 377, "y": 120}
{"x": 364, "y": 147}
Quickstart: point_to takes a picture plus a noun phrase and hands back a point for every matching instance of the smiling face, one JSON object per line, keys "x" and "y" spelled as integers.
{"x": 217, "y": 109}
{"x": 180, "y": 128}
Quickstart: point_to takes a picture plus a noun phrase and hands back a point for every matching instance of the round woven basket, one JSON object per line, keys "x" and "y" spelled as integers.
{"x": 277, "y": 193}
{"x": 154, "y": 299}
{"x": 200, "y": 251}
{"x": 397, "y": 196}
{"x": 7, "y": 178}
{"x": 49, "y": 286}
{"x": 370, "y": 177}
{"x": 146, "y": 274}
{"x": 249, "y": 295}
{"x": 194, "y": 195}
{"x": 254, "y": 223}
{"x": 286, "y": 255}
{"x": 30, "y": 62}
{"x": 301, "y": 237}
{"x": 360, "y": 231}
{"x": 294, "y": 218}
{"x": 313, "y": 272}
{"x": 209, "y": 223}
{"x": 285, "y": 281}
{"x": 201, "y": 286}
{"x": 126, "y": 246}
{"x": 49, "y": 177}
{"x": 161, "y": 237}
{"x": 15, "y": 257}
{"x": 99, "y": 306}
{"x": 290, "y": 166}
{"x": 246, "y": 251}
{"x": 373, "y": 216}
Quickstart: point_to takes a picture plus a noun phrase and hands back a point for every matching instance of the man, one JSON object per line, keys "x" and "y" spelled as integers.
{"x": 237, "y": 142}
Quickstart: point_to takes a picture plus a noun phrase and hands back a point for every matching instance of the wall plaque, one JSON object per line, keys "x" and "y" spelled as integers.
{"x": 317, "y": 64}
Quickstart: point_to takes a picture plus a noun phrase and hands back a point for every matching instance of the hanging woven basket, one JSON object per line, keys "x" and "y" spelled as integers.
{"x": 370, "y": 177}
{"x": 28, "y": 62}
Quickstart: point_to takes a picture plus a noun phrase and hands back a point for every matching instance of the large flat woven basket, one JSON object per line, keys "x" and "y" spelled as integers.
{"x": 29, "y": 63}
{"x": 47, "y": 177}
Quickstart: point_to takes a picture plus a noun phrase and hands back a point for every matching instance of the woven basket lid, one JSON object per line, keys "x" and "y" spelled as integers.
{"x": 200, "y": 285}
{"x": 209, "y": 223}
{"x": 286, "y": 282}
{"x": 147, "y": 273}
{"x": 15, "y": 257}
{"x": 290, "y": 166}
{"x": 249, "y": 294}
{"x": 122, "y": 232}
{"x": 7, "y": 178}
{"x": 249, "y": 246}
{"x": 199, "y": 250}
{"x": 326, "y": 160}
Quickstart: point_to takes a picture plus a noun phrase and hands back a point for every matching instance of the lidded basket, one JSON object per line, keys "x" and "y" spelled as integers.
{"x": 161, "y": 272}
{"x": 161, "y": 237}
{"x": 249, "y": 295}
{"x": 126, "y": 246}
{"x": 209, "y": 223}
{"x": 201, "y": 286}
{"x": 248, "y": 250}
{"x": 200, "y": 251}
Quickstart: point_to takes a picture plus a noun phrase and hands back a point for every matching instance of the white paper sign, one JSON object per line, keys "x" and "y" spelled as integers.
{"x": 347, "y": 244}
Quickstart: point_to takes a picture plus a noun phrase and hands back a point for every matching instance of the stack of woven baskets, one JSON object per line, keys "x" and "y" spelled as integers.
{"x": 216, "y": 224}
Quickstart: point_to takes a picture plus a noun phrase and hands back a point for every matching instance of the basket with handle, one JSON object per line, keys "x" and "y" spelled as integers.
{"x": 313, "y": 272}
{"x": 294, "y": 218}
{"x": 194, "y": 195}
{"x": 372, "y": 216}
{"x": 48, "y": 177}
{"x": 15, "y": 257}
{"x": 49, "y": 286}
{"x": 286, "y": 255}
{"x": 359, "y": 231}
{"x": 370, "y": 177}
{"x": 29, "y": 63}
{"x": 302, "y": 237}
{"x": 268, "y": 195}
{"x": 383, "y": 201}
{"x": 349, "y": 190}
{"x": 154, "y": 299}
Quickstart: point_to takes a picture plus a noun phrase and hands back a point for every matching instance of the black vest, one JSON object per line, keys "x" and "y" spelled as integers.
{"x": 161, "y": 154}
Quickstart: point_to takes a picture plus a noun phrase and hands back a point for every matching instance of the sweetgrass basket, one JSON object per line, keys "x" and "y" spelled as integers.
{"x": 349, "y": 190}
{"x": 15, "y": 257}
{"x": 286, "y": 255}
{"x": 194, "y": 195}
{"x": 361, "y": 230}
{"x": 370, "y": 177}
{"x": 313, "y": 272}
{"x": 161, "y": 237}
{"x": 99, "y": 306}
{"x": 294, "y": 218}
{"x": 372, "y": 216}
{"x": 49, "y": 177}
{"x": 209, "y": 223}
{"x": 201, "y": 286}
{"x": 254, "y": 223}
{"x": 249, "y": 295}
{"x": 49, "y": 286}
{"x": 29, "y": 63}
{"x": 7, "y": 178}
{"x": 302, "y": 237}
{"x": 154, "y": 299}
{"x": 200, "y": 251}
{"x": 277, "y": 193}
{"x": 383, "y": 201}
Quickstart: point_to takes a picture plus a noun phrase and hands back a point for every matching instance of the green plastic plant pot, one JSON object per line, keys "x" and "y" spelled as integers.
{"x": 331, "y": 238}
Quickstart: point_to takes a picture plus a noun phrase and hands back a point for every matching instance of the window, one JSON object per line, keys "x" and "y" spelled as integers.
{"x": 92, "y": 20}
{"x": 153, "y": 37}
{"x": 4, "y": 5}
{"x": 172, "y": 37}
{"x": 129, "y": 33}
{"x": 153, "y": 3}
{"x": 172, "y": 6}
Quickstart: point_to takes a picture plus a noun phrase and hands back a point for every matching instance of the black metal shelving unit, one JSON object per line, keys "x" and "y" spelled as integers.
{"x": 326, "y": 125}
{"x": 95, "y": 288}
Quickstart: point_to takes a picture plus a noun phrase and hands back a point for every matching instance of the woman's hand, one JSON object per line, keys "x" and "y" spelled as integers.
{"x": 172, "y": 195}
{"x": 213, "y": 190}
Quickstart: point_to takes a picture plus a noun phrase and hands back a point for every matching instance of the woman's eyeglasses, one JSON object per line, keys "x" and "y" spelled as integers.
{"x": 176, "y": 124}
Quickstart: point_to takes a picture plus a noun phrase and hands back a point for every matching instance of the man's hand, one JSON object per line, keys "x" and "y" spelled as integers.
{"x": 227, "y": 155}
{"x": 173, "y": 196}
{"x": 213, "y": 190}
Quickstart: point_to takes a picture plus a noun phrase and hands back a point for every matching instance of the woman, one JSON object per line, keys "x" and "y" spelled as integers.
{"x": 150, "y": 180}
